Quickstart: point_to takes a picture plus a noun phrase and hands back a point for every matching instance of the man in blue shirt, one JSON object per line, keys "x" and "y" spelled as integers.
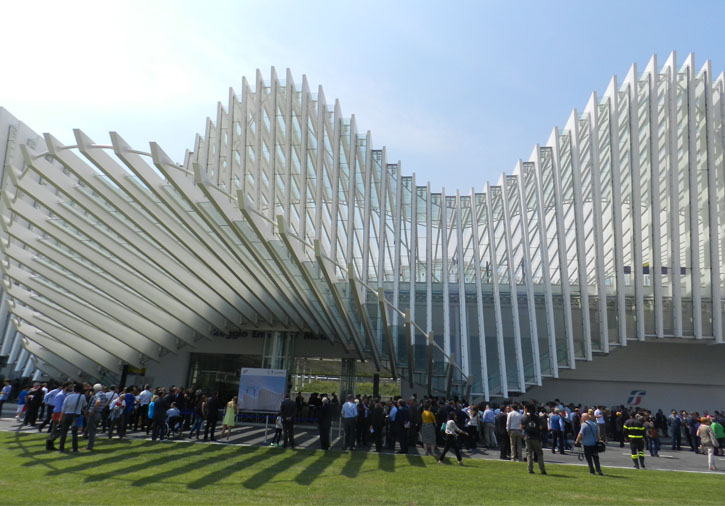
{"x": 392, "y": 434}
{"x": 49, "y": 401}
{"x": 55, "y": 418}
{"x": 127, "y": 415}
{"x": 588, "y": 437}
{"x": 557, "y": 428}
{"x": 489, "y": 430}
{"x": 349, "y": 422}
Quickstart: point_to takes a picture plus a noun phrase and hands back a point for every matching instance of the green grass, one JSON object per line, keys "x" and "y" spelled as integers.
{"x": 142, "y": 472}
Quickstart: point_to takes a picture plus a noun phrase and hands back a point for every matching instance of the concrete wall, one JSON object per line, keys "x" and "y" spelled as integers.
{"x": 684, "y": 374}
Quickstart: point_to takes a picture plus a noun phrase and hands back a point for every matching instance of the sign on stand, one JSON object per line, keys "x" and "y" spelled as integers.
{"x": 261, "y": 389}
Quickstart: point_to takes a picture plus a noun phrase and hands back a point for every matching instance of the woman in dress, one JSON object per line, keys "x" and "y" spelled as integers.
{"x": 229, "y": 416}
{"x": 428, "y": 429}
{"x": 707, "y": 441}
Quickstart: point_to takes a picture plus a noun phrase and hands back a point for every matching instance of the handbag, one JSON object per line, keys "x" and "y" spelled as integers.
{"x": 601, "y": 447}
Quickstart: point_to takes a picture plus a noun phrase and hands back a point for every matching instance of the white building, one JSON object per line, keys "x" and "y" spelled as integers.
{"x": 285, "y": 233}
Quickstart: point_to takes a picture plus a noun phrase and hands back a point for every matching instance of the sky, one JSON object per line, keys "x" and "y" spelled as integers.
{"x": 457, "y": 91}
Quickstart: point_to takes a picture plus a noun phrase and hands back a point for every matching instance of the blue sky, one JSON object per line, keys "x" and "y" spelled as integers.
{"x": 457, "y": 91}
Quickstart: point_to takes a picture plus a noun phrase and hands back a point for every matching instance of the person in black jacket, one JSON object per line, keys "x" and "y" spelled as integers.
{"x": 212, "y": 416}
{"x": 160, "y": 406}
{"x": 377, "y": 420}
{"x": 501, "y": 433}
{"x": 403, "y": 422}
{"x": 288, "y": 411}
{"x": 324, "y": 418}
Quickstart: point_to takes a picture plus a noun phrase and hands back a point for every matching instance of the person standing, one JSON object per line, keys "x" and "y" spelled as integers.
{"x": 675, "y": 426}
{"x": 377, "y": 422}
{"x": 127, "y": 415}
{"x": 74, "y": 406}
{"x": 503, "y": 439}
{"x": 111, "y": 395}
{"x": 229, "y": 416}
{"x": 49, "y": 401}
{"x": 488, "y": 428}
{"x": 349, "y": 422}
{"x": 161, "y": 405}
{"x": 557, "y": 427}
{"x": 719, "y": 431}
{"x": 513, "y": 427}
{"x": 532, "y": 426}
{"x": 33, "y": 401}
{"x": 95, "y": 408}
{"x": 198, "y": 417}
{"x": 634, "y": 431}
{"x": 588, "y": 437}
{"x": 653, "y": 435}
{"x": 324, "y": 419}
{"x": 471, "y": 426}
{"x": 452, "y": 431}
{"x": 708, "y": 441}
{"x": 212, "y": 417}
{"x": 600, "y": 414}
{"x": 144, "y": 399}
{"x": 5, "y": 394}
{"x": 427, "y": 429}
{"x": 21, "y": 404}
{"x": 403, "y": 419}
{"x": 288, "y": 409}
{"x": 115, "y": 416}
{"x": 53, "y": 432}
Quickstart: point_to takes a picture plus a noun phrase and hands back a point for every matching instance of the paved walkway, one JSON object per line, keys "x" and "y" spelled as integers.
{"x": 306, "y": 437}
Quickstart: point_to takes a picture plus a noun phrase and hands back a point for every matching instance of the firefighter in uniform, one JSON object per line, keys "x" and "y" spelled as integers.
{"x": 634, "y": 432}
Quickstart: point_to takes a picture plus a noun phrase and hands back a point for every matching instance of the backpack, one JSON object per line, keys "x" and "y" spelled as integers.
{"x": 532, "y": 428}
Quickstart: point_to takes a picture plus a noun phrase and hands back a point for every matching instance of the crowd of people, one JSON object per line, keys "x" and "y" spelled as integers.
{"x": 518, "y": 432}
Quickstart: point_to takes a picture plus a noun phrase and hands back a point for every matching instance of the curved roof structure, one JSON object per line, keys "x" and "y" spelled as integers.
{"x": 285, "y": 218}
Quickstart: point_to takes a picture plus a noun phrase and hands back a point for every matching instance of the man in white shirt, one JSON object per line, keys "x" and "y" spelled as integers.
{"x": 349, "y": 422}
{"x": 5, "y": 394}
{"x": 513, "y": 426}
{"x": 143, "y": 399}
{"x": 599, "y": 415}
{"x": 74, "y": 406}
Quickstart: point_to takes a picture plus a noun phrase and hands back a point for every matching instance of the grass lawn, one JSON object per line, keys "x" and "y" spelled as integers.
{"x": 142, "y": 472}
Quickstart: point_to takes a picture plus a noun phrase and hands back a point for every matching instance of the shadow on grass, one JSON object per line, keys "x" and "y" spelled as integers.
{"x": 267, "y": 474}
{"x": 386, "y": 462}
{"x": 353, "y": 465}
{"x": 220, "y": 474}
{"x": 316, "y": 468}
{"x": 416, "y": 460}
{"x": 614, "y": 476}
{"x": 115, "y": 455}
{"x": 179, "y": 470}
{"x": 145, "y": 463}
